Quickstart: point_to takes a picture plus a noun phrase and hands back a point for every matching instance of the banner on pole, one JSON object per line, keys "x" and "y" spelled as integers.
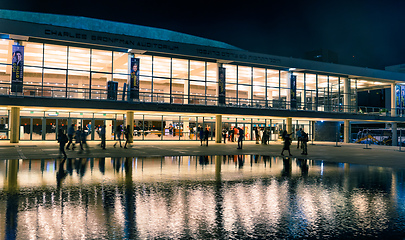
{"x": 17, "y": 68}
{"x": 293, "y": 91}
{"x": 221, "y": 85}
{"x": 134, "y": 81}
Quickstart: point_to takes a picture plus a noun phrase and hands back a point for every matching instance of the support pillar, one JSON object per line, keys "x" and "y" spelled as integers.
{"x": 130, "y": 123}
{"x": 218, "y": 128}
{"x": 14, "y": 125}
{"x": 346, "y": 133}
{"x": 289, "y": 125}
{"x": 393, "y": 101}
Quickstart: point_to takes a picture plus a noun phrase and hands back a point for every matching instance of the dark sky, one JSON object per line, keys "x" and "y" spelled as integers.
{"x": 362, "y": 33}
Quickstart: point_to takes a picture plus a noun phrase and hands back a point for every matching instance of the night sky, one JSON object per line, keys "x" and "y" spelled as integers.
{"x": 362, "y": 33}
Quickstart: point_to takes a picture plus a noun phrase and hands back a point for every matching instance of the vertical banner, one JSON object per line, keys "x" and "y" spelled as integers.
{"x": 397, "y": 96}
{"x": 293, "y": 91}
{"x": 221, "y": 85}
{"x": 134, "y": 81}
{"x": 403, "y": 96}
{"x": 17, "y": 68}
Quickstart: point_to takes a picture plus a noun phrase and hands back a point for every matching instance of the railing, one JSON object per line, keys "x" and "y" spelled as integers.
{"x": 180, "y": 99}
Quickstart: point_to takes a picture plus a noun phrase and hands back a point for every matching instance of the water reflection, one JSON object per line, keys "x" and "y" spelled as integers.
{"x": 215, "y": 197}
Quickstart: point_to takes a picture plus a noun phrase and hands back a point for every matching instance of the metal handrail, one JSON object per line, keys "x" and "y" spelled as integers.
{"x": 53, "y": 91}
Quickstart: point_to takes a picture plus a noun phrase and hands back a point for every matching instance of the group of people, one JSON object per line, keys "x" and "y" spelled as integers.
{"x": 262, "y": 135}
{"x": 80, "y": 137}
{"x": 302, "y": 137}
{"x": 238, "y": 131}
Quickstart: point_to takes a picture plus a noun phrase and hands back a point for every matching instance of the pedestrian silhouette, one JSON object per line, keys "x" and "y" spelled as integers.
{"x": 62, "y": 139}
{"x": 287, "y": 143}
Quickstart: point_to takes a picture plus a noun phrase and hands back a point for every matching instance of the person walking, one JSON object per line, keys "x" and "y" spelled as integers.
{"x": 78, "y": 137}
{"x": 206, "y": 134}
{"x": 304, "y": 143}
{"x": 287, "y": 143}
{"x": 299, "y": 136}
{"x": 241, "y": 133}
{"x": 83, "y": 137}
{"x": 102, "y": 134}
{"x": 71, "y": 132}
{"x": 126, "y": 134}
{"x": 62, "y": 140}
{"x": 257, "y": 136}
{"x": 224, "y": 132}
{"x": 118, "y": 132}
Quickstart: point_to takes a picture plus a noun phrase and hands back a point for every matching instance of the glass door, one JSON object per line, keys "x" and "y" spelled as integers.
{"x": 50, "y": 129}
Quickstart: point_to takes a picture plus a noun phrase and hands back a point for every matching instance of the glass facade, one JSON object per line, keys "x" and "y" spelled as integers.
{"x": 58, "y": 71}
{"x": 71, "y": 72}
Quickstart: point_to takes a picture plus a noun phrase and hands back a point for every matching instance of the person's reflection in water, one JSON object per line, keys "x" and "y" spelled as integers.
{"x": 241, "y": 161}
{"x": 287, "y": 167}
{"x": 12, "y": 215}
{"x": 69, "y": 166}
{"x": 80, "y": 165}
{"x": 130, "y": 199}
{"x": 265, "y": 160}
{"x": 61, "y": 173}
{"x": 302, "y": 163}
{"x": 203, "y": 160}
{"x": 101, "y": 165}
{"x": 117, "y": 164}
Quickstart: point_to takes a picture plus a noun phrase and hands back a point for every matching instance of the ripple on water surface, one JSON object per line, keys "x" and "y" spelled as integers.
{"x": 207, "y": 197}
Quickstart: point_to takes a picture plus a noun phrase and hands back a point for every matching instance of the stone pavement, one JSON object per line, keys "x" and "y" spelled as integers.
{"x": 385, "y": 156}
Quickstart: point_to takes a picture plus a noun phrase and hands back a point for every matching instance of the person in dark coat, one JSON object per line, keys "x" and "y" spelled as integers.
{"x": 201, "y": 135}
{"x": 118, "y": 132}
{"x": 126, "y": 134}
{"x": 102, "y": 134}
{"x": 78, "y": 137}
{"x": 224, "y": 132}
{"x": 83, "y": 137}
{"x": 206, "y": 134}
{"x": 287, "y": 143}
{"x": 62, "y": 140}
{"x": 71, "y": 133}
{"x": 241, "y": 133}
{"x": 304, "y": 141}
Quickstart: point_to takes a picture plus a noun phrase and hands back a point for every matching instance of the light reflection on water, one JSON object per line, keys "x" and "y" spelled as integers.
{"x": 208, "y": 197}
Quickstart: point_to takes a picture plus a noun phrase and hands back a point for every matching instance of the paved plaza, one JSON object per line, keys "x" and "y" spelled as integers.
{"x": 375, "y": 155}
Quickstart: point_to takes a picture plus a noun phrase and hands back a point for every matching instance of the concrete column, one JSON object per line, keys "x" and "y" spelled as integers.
{"x": 218, "y": 128}
{"x": 289, "y": 125}
{"x": 14, "y": 125}
{"x": 393, "y": 101}
{"x": 394, "y": 134}
{"x": 130, "y": 122}
{"x": 346, "y": 133}
{"x": 346, "y": 95}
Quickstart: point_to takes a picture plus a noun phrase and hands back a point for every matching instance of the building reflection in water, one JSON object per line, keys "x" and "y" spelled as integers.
{"x": 216, "y": 197}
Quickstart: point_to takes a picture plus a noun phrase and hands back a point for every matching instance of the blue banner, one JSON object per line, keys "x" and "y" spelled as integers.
{"x": 221, "y": 85}
{"x": 134, "y": 82}
{"x": 403, "y": 96}
{"x": 17, "y": 68}
{"x": 397, "y": 96}
{"x": 293, "y": 91}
